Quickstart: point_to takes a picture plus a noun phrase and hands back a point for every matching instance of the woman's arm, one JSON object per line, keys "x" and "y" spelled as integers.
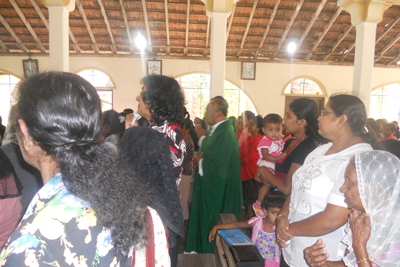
{"x": 360, "y": 225}
{"x": 282, "y": 225}
{"x": 263, "y": 175}
{"x": 235, "y": 225}
{"x": 321, "y": 223}
{"x": 269, "y": 157}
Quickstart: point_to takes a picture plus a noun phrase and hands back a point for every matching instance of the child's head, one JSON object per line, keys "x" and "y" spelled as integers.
{"x": 255, "y": 125}
{"x": 272, "y": 126}
{"x": 273, "y": 203}
{"x": 388, "y": 129}
{"x": 239, "y": 124}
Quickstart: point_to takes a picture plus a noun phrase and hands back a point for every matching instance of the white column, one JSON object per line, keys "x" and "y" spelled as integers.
{"x": 364, "y": 61}
{"x": 218, "y": 52}
{"x": 59, "y": 38}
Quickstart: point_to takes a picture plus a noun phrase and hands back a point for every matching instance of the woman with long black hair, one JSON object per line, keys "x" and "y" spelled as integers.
{"x": 90, "y": 210}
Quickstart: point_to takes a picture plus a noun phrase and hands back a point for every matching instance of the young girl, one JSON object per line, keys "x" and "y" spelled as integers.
{"x": 270, "y": 151}
{"x": 263, "y": 228}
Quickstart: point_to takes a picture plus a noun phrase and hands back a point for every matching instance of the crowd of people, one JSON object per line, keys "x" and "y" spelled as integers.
{"x": 81, "y": 187}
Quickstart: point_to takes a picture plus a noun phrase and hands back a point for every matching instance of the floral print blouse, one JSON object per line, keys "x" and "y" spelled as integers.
{"x": 59, "y": 229}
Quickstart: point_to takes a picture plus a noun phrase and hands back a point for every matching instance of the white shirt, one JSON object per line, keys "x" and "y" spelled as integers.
{"x": 315, "y": 184}
{"x": 212, "y": 131}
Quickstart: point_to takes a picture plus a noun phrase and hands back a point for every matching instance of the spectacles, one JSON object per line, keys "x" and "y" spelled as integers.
{"x": 326, "y": 112}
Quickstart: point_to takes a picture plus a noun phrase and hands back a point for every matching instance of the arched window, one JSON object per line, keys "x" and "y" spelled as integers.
{"x": 303, "y": 86}
{"x": 385, "y": 102}
{"x": 103, "y": 84}
{"x": 197, "y": 93}
{"x": 7, "y": 85}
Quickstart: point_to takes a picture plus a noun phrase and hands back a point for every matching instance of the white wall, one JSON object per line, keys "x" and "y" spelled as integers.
{"x": 265, "y": 91}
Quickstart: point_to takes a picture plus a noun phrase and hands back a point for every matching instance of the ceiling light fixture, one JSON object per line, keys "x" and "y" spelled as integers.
{"x": 291, "y": 47}
{"x": 140, "y": 42}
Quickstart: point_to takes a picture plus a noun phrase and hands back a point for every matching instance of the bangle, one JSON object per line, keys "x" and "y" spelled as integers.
{"x": 280, "y": 216}
{"x": 363, "y": 261}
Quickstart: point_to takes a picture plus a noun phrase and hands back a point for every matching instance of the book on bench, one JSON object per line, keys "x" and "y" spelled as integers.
{"x": 235, "y": 237}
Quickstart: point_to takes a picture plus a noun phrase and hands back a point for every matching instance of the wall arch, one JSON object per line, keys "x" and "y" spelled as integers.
{"x": 229, "y": 85}
{"x": 318, "y": 82}
{"x": 97, "y": 69}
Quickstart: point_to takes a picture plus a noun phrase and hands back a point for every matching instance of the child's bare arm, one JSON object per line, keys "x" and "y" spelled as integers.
{"x": 269, "y": 157}
{"x": 235, "y": 225}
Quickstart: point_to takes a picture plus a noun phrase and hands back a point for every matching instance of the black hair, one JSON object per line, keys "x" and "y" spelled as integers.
{"x": 111, "y": 118}
{"x": 391, "y": 126}
{"x": 248, "y": 114}
{"x": 272, "y": 118}
{"x": 353, "y": 108}
{"x": 128, "y": 111}
{"x": 165, "y": 99}
{"x": 222, "y": 105}
{"x": 202, "y": 123}
{"x": 188, "y": 124}
{"x": 371, "y": 124}
{"x": 273, "y": 199}
{"x": 62, "y": 112}
{"x": 307, "y": 109}
{"x": 258, "y": 121}
{"x": 233, "y": 120}
{"x": 143, "y": 122}
{"x": 389, "y": 145}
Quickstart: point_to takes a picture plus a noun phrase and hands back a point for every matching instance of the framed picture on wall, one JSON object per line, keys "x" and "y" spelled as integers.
{"x": 248, "y": 71}
{"x": 31, "y": 67}
{"x": 154, "y": 67}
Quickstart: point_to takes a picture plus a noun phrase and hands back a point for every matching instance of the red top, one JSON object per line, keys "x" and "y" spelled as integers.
{"x": 249, "y": 154}
{"x": 390, "y": 137}
{"x": 238, "y": 134}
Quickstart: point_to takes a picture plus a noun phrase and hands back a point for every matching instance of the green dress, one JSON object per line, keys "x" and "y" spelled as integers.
{"x": 219, "y": 190}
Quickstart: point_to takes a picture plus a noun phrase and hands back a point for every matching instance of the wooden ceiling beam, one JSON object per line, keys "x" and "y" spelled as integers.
{"x": 46, "y": 23}
{"x": 285, "y": 33}
{"x": 335, "y": 45}
{"x": 28, "y": 25}
{"x": 146, "y": 22}
{"x": 271, "y": 19}
{"x": 311, "y": 23}
{"x": 187, "y": 26}
{"x": 333, "y": 19}
{"x": 388, "y": 46}
{"x": 88, "y": 28}
{"x": 230, "y": 22}
{"x": 388, "y": 28}
{"x": 103, "y": 12}
{"x": 11, "y": 31}
{"x": 4, "y": 46}
{"x": 167, "y": 25}
{"x": 208, "y": 35}
{"x": 396, "y": 59}
{"x": 128, "y": 31}
{"x": 348, "y": 52}
{"x": 253, "y": 10}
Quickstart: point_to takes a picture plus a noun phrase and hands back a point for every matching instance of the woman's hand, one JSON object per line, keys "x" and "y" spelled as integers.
{"x": 128, "y": 121}
{"x": 282, "y": 232}
{"x": 212, "y": 234}
{"x": 316, "y": 255}
{"x": 259, "y": 177}
{"x": 360, "y": 225}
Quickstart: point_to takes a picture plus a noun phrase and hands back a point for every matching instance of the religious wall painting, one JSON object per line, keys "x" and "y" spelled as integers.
{"x": 31, "y": 67}
{"x": 248, "y": 71}
{"x": 154, "y": 67}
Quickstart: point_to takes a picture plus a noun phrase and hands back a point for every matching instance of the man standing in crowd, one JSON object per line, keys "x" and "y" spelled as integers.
{"x": 217, "y": 187}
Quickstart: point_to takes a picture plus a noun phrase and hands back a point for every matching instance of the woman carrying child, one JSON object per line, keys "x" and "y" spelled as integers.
{"x": 263, "y": 228}
{"x": 248, "y": 164}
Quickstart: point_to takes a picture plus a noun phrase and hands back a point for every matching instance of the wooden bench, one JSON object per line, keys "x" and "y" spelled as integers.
{"x": 196, "y": 260}
{"x": 223, "y": 256}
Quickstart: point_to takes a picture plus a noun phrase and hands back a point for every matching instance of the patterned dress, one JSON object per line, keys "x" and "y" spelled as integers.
{"x": 266, "y": 243}
{"x": 59, "y": 229}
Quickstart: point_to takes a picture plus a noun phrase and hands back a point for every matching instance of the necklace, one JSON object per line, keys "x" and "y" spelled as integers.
{"x": 293, "y": 145}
